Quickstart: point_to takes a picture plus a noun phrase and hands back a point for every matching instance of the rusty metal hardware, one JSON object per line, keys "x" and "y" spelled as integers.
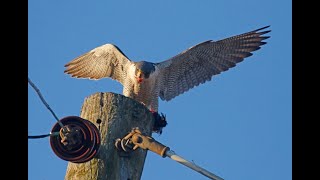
{"x": 136, "y": 139}
{"x": 78, "y": 141}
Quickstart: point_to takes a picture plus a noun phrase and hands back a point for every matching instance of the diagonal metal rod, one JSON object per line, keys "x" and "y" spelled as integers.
{"x": 171, "y": 154}
{"x": 44, "y": 102}
{"x": 137, "y": 139}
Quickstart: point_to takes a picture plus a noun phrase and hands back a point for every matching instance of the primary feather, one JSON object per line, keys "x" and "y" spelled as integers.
{"x": 146, "y": 81}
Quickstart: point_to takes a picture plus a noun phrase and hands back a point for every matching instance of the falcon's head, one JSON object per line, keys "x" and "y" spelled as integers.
{"x": 143, "y": 70}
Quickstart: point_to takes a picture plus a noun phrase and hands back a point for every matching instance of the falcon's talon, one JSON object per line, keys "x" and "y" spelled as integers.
{"x": 159, "y": 123}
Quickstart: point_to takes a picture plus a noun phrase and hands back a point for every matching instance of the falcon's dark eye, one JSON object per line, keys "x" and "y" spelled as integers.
{"x": 146, "y": 68}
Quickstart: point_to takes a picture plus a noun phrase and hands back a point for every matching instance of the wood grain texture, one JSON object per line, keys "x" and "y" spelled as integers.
{"x": 119, "y": 114}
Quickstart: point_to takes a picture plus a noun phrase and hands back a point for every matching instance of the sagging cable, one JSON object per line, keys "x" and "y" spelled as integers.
{"x": 48, "y": 107}
{"x": 44, "y": 135}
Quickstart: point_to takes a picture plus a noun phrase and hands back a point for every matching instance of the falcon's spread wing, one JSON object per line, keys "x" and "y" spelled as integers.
{"x": 103, "y": 61}
{"x": 199, "y": 63}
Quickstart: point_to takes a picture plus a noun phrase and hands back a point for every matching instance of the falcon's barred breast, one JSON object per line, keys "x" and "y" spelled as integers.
{"x": 146, "y": 81}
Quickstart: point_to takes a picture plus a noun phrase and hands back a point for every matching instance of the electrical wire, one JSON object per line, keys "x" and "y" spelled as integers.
{"x": 43, "y": 136}
{"x": 48, "y": 107}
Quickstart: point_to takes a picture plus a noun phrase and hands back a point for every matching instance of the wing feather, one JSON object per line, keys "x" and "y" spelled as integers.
{"x": 201, "y": 62}
{"x": 101, "y": 62}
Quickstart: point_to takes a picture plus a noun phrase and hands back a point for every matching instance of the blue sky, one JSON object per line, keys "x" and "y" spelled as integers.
{"x": 238, "y": 125}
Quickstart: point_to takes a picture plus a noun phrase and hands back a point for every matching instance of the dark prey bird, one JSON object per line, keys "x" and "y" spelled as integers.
{"x": 146, "y": 81}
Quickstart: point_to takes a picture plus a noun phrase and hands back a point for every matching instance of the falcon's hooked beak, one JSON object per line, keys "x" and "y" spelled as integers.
{"x": 139, "y": 76}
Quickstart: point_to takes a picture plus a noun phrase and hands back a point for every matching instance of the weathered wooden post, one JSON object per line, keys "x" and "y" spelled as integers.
{"x": 118, "y": 115}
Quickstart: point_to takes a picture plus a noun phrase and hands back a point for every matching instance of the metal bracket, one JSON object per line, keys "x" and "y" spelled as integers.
{"x": 135, "y": 139}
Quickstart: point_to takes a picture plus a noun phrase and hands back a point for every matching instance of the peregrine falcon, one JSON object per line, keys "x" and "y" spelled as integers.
{"x": 146, "y": 81}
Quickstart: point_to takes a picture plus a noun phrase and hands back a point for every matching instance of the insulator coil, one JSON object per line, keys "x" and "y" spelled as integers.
{"x": 86, "y": 140}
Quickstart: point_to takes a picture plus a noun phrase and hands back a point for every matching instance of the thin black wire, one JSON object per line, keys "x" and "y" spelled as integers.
{"x": 38, "y": 136}
{"x": 43, "y": 101}
{"x": 44, "y": 135}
